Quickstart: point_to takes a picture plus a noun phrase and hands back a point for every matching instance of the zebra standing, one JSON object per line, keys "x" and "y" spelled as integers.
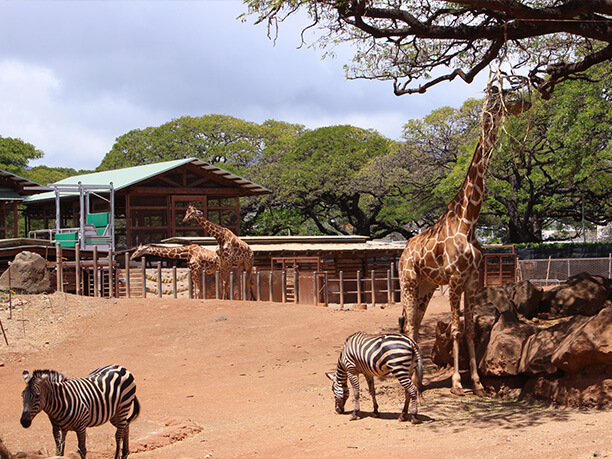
{"x": 106, "y": 394}
{"x": 377, "y": 355}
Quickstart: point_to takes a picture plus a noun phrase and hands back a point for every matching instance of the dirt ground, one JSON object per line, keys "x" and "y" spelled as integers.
{"x": 224, "y": 379}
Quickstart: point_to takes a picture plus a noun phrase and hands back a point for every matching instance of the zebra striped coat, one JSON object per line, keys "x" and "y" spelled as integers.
{"x": 377, "y": 355}
{"x": 106, "y": 394}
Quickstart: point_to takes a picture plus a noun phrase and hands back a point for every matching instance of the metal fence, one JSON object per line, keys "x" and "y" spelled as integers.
{"x": 553, "y": 271}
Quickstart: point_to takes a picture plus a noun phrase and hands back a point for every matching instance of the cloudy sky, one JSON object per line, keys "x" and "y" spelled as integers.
{"x": 75, "y": 75}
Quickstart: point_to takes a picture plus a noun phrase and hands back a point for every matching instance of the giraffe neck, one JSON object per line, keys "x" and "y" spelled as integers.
{"x": 467, "y": 203}
{"x": 169, "y": 252}
{"x": 216, "y": 231}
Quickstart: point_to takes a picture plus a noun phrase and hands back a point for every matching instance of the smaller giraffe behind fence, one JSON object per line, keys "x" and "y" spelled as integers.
{"x": 199, "y": 259}
{"x": 378, "y": 355}
{"x": 232, "y": 250}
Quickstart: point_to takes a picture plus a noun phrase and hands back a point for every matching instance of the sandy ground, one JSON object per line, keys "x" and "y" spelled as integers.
{"x": 225, "y": 379}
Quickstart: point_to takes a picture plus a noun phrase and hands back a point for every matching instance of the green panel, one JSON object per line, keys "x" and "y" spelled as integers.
{"x": 99, "y": 220}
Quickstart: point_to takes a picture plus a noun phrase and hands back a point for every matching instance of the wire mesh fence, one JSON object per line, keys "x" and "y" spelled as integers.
{"x": 553, "y": 271}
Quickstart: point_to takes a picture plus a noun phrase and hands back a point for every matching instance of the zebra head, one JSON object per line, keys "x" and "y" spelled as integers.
{"x": 340, "y": 391}
{"x": 36, "y": 392}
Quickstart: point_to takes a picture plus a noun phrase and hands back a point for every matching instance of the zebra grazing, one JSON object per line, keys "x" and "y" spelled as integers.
{"x": 377, "y": 355}
{"x": 106, "y": 394}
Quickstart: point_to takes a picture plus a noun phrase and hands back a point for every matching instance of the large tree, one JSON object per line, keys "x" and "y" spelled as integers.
{"x": 230, "y": 143}
{"x": 15, "y": 154}
{"x": 328, "y": 175}
{"x": 409, "y": 41}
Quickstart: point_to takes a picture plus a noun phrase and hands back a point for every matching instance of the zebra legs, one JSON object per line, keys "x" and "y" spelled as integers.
{"x": 372, "y": 390}
{"x": 122, "y": 437}
{"x": 60, "y": 440}
{"x": 354, "y": 378}
{"x": 81, "y": 436}
{"x": 411, "y": 393}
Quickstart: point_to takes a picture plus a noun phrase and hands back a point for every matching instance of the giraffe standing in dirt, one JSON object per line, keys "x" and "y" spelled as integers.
{"x": 232, "y": 250}
{"x": 448, "y": 252}
{"x": 199, "y": 259}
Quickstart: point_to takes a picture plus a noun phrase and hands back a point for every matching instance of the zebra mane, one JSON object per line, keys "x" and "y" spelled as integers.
{"x": 52, "y": 375}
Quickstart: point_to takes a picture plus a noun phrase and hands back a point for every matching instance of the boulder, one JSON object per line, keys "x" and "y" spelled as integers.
{"x": 503, "y": 353}
{"x": 539, "y": 347}
{"x": 581, "y": 294}
{"x": 28, "y": 274}
{"x": 526, "y": 297}
{"x": 588, "y": 344}
{"x": 442, "y": 351}
{"x": 497, "y": 296}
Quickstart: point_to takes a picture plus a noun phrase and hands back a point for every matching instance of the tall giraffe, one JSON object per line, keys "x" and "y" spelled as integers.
{"x": 232, "y": 250}
{"x": 198, "y": 258}
{"x": 448, "y": 253}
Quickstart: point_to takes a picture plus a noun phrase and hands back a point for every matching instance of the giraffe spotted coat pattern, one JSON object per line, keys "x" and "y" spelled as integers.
{"x": 232, "y": 250}
{"x": 448, "y": 253}
{"x": 199, "y": 259}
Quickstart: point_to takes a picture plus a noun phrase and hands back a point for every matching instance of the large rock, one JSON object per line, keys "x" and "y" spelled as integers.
{"x": 28, "y": 274}
{"x": 588, "y": 344}
{"x": 581, "y": 294}
{"x": 539, "y": 347}
{"x": 442, "y": 351}
{"x": 496, "y": 296}
{"x": 503, "y": 353}
{"x": 526, "y": 297}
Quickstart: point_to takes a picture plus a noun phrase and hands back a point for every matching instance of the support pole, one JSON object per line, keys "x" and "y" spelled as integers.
{"x": 95, "y": 271}
{"x": 271, "y": 285}
{"x": 373, "y": 289}
{"x": 111, "y": 274}
{"x": 143, "y": 270}
{"x": 296, "y": 287}
{"x": 258, "y": 279}
{"x": 159, "y": 279}
{"x": 358, "y": 287}
{"x": 174, "y": 292}
{"x": 77, "y": 268}
{"x": 341, "y": 285}
{"x": 127, "y": 275}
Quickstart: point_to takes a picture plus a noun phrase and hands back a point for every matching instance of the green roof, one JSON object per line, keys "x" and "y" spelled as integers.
{"x": 123, "y": 178}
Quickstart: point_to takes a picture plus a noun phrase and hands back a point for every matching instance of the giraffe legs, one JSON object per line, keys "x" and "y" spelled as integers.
{"x": 455, "y": 300}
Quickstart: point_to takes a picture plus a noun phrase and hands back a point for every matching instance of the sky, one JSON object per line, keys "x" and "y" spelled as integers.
{"x": 75, "y": 75}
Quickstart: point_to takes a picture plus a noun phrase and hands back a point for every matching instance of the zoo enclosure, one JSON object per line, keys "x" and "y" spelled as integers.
{"x": 284, "y": 283}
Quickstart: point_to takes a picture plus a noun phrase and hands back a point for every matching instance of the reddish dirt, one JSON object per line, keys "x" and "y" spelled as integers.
{"x": 243, "y": 379}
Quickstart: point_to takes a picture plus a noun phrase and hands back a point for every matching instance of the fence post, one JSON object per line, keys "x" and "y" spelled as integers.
{"x": 190, "y": 286}
{"x": 243, "y": 290}
{"x": 341, "y": 285}
{"x": 296, "y": 287}
{"x": 202, "y": 282}
{"x": 111, "y": 274}
{"x": 359, "y": 287}
{"x": 217, "y": 285}
{"x": 231, "y": 285}
{"x": 58, "y": 266}
{"x": 548, "y": 269}
{"x": 389, "y": 292}
{"x": 284, "y": 285}
{"x": 143, "y": 269}
{"x": 373, "y": 289}
{"x": 258, "y": 288}
{"x": 270, "y": 285}
{"x": 159, "y": 279}
{"x": 174, "y": 292}
{"x": 77, "y": 268}
{"x": 326, "y": 289}
{"x": 315, "y": 285}
{"x": 96, "y": 284}
{"x": 127, "y": 275}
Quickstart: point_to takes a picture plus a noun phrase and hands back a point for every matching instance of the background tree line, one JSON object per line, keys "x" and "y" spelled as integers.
{"x": 550, "y": 163}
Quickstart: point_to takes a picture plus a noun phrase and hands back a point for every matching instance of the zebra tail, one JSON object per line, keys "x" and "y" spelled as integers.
{"x": 419, "y": 370}
{"x": 135, "y": 411}
{"x": 402, "y": 320}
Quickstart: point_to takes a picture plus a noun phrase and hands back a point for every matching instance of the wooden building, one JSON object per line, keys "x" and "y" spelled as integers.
{"x": 149, "y": 201}
{"x": 13, "y": 191}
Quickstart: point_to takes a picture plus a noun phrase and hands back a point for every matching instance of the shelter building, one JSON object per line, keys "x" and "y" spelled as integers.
{"x": 149, "y": 201}
{"x": 13, "y": 191}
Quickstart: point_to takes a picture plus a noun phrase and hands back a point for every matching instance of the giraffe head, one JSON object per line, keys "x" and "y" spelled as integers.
{"x": 140, "y": 251}
{"x": 192, "y": 212}
{"x": 512, "y": 101}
